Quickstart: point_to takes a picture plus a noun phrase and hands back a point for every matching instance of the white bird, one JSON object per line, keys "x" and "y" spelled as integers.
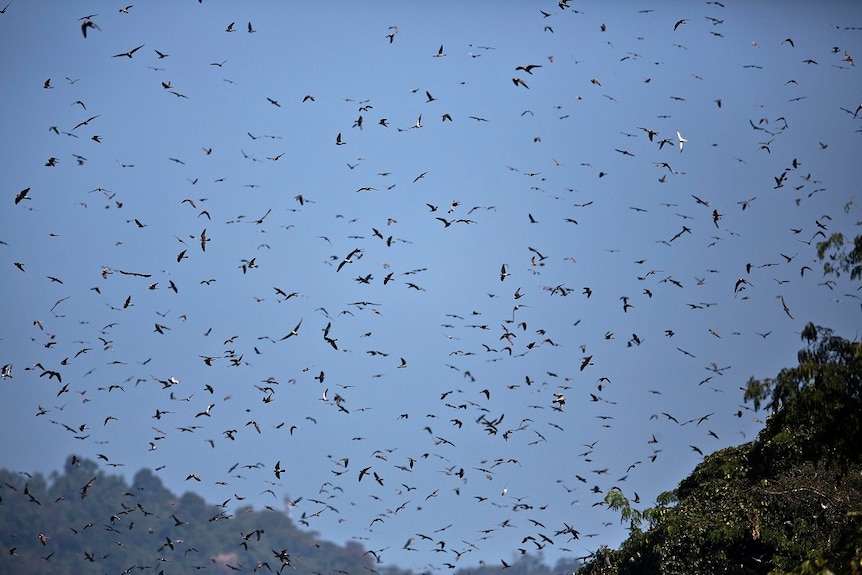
{"x": 682, "y": 141}
{"x": 418, "y": 122}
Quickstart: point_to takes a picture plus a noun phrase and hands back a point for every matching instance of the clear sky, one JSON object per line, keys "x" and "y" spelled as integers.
{"x": 621, "y": 252}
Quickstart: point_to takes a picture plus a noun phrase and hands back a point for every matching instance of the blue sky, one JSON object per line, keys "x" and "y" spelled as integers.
{"x": 557, "y": 180}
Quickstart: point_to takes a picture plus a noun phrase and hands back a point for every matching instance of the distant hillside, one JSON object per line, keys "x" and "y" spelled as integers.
{"x": 83, "y": 521}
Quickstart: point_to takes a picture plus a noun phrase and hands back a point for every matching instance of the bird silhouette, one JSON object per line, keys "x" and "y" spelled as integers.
{"x": 129, "y": 53}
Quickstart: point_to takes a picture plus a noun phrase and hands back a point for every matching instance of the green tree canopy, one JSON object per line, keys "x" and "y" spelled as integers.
{"x": 789, "y": 502}
{"x": 837, "y": 257}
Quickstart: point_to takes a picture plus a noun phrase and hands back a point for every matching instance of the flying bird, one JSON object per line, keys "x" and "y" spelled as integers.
{"x": 786, "y": 309}
{"x": 293, "y": 332}
{"x": 129, "y": 53}
{"x": 681, "y": 140}
{"x": 86, "y": 488}
{"x": 529, "y": 68}
{"x": 88, "y": 24}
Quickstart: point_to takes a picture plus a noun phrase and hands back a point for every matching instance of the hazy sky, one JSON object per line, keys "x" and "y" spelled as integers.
{"x": 544, "y": 295}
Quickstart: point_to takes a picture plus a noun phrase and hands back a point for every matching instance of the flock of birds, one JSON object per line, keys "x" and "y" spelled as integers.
{"x": 433, "y": 372}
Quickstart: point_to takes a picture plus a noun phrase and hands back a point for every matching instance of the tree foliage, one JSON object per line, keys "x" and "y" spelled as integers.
{"x": 837, "y": 257}
{"x": 789, "y": 502}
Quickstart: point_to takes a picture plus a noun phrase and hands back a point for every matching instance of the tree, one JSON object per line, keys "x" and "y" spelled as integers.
{"x": 789, "y": 502}
{"x": 815, "y": 405}
{"x": 838, "y": 259}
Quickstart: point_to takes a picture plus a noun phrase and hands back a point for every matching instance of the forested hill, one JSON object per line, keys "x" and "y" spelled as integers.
{"x": 85, "y": 521}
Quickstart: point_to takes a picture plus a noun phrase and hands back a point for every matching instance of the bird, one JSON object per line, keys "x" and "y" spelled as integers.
{"x": 86, "y": 488}
{"x": 85, "y": 122}
{"x": 88, "y": 24}
{"x": 784, "y": 305}
{"x": 129, "y": 53}
{"x": 22, "y": 195}
{"x": 293, "y": 332}
{"x": 347, "y": 259}
{"x": 650, "y": 134}
{"x": 206, "y": 412}
{"x": 681, "y": 140}
{"x": 528, "y": 68}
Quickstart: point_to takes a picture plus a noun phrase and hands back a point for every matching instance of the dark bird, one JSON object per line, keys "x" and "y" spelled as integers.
{"x": 347, "y": 259}
{"x": 88, "y": 24}
{"x": 293, "y": 332}
{"x": 86, "y": 488}
{"x": 363, "y": 472}
{"x": 650, "y": 133}
{"x": 529, "y": 68}
{"x": 85, "y": 122}
{"x": 784, "y": 305}
{"x": 22, "y": 195}
{"x": 129, "y": 53}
